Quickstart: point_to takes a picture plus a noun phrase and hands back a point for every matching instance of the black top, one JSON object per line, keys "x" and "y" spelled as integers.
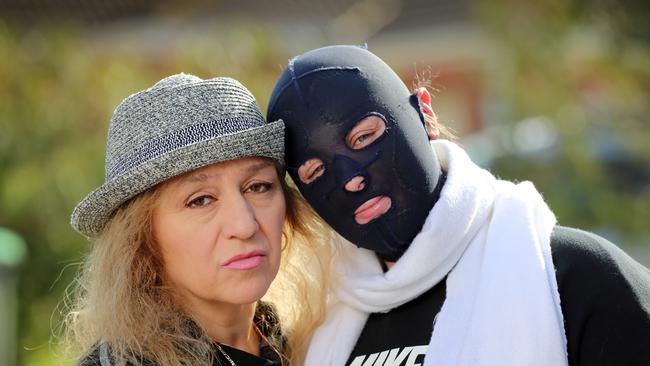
{"x": 265, "y": 319}
{"x": 604, "y": 295}
{"x": 268, "y": 357}
{"x": 101, "y": 355}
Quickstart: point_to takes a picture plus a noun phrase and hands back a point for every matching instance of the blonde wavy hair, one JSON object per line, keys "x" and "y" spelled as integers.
{"x": 120, "y": 296}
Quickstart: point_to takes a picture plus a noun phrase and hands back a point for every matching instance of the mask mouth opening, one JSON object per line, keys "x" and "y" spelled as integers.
{"x": 373, "y": 209}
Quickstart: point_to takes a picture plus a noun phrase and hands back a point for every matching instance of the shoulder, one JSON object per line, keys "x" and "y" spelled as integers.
{"x": 605, "y": 299}
{"x": 575, "y": 251}
{"x": 98, "y": 355}
{"x": 566, "y": 241}
{"x": 101, "y": 354}
{"x": 589, "y": 265}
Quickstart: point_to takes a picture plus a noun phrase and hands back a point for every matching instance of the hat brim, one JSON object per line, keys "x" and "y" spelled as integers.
{"x": 92, "y": 214}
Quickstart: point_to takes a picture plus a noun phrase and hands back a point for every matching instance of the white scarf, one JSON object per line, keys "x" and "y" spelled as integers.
{"x": 492, "y": 239}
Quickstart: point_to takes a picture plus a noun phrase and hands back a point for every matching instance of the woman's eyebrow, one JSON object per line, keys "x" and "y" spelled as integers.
{"x": 258, "y": 166}
{"x": 202, "y": 177}
{"x": 195, "y": 178}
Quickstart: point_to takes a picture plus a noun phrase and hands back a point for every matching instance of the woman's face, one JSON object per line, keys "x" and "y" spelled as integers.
{"x": 219, "y": 230}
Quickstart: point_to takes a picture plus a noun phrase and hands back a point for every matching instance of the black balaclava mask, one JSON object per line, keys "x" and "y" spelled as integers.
{"x": 321, "y": 96}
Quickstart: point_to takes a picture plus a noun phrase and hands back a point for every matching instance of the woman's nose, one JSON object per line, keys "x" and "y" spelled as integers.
{"x": 241, "y": 222}
{"x": 355, "y": 184}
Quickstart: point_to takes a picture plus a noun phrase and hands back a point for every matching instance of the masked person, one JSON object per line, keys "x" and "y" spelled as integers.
{"x": 453, "y": 266}
{"x": 188, "y": 229}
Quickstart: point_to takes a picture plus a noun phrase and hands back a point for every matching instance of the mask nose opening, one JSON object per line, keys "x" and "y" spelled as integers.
{"x": 344, "y": 169}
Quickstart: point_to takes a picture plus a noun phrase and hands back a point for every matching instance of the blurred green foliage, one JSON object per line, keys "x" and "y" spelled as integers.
{"x": 59, "y": 85}
{"x": 581, "y": 66}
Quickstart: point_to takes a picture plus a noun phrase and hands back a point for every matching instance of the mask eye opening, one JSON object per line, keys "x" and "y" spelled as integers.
{"x": 365, "y": 133}
{"x": 311, "y": 170}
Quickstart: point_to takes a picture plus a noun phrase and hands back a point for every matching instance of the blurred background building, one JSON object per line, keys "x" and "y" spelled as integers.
{"x": 553, "y": 91}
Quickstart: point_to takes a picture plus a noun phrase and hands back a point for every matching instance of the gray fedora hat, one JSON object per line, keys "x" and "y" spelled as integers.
{"x": 180, "y": 124}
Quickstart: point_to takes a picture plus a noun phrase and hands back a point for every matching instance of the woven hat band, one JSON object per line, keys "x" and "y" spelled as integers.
{"x": 179, "y": 139}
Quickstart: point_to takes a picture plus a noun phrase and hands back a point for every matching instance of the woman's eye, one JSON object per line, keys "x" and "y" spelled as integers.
{"x": 362, "y": 138}
{"x": 367, "y": 131}
{"x": 259, "y": 187}
{"x": 317, "y": 172}
{"x": 311, "y": 170}
{"x": 200, "y": 201}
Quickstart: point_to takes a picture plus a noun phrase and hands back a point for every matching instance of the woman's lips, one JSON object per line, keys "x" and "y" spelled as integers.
{"x": 245, "y": 261}
{"x": 372, "y": 209}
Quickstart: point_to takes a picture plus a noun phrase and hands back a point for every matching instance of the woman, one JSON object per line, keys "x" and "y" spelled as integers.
{"x": 189, "y": 226}
{"x": 454, "y": 266}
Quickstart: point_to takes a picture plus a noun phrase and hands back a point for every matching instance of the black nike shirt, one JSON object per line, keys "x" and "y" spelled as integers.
{"x": 604, "y": 295}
